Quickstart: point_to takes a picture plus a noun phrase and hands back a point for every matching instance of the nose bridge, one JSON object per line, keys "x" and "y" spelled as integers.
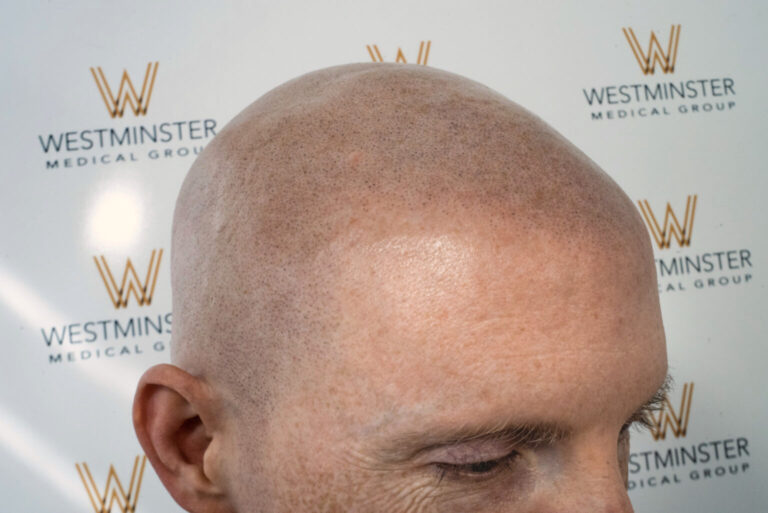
{"x": 591, "y": 482}
{"x": 598, "y": 480}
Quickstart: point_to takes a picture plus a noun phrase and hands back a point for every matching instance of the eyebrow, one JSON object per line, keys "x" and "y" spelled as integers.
{"x": 409, "y": 445}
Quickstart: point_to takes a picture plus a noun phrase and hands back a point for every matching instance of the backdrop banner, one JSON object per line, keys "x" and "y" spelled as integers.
{"x": 108, "y": 105}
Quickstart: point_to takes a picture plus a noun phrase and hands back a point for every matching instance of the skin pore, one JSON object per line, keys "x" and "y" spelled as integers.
{"x": 394, "y": 290}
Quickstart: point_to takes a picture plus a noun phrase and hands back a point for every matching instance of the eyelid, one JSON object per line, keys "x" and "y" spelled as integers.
{"x": 465, "y": 471}
{"x": 469, "y": 452}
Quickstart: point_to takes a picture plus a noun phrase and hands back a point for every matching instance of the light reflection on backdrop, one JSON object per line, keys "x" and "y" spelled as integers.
{"x": 115, "y": 218}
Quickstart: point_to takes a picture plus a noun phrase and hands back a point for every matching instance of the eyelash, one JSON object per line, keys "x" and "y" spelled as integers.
{"x": 641, "y": 422}
{"x": 476, "y": 469}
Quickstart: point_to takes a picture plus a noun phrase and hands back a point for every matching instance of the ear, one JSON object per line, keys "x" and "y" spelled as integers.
{"x": 174, "y": 415}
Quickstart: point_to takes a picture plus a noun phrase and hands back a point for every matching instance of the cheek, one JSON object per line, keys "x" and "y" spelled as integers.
{"x": 350, "y": 489}
{"x": 316, "y": 470}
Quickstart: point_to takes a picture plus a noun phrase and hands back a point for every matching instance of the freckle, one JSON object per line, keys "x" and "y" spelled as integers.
{"x": 354, "y": 158}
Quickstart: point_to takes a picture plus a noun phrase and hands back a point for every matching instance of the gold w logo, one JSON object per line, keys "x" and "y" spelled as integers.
{"x": 130, "y": 284}
{"x": 114, "y": 491}
{"x": 126, "y": 92}
{"x": 667, "y": 417}
{"x": 655, "y": 54}
{"x": 671, "y": 227}
{"x": 373, "y": 51}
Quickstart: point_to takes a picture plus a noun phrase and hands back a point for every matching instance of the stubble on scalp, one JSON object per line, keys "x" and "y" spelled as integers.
{"x": 350, "y": 153}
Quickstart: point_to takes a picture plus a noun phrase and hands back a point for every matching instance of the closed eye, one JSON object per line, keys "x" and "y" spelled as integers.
{"x": 476, "y": 469}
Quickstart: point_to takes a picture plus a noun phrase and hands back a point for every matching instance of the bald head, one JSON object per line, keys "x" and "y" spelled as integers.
{"x": 373, "y": 263}
{"x": 363, "y": 151}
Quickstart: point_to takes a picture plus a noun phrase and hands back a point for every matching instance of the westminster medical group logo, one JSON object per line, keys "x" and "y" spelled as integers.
{"x": 680, "y": 265}
{"x": 659, "y": 90}
{"x": 131, "y": 284}
{"x": 126, "y": 94}
{"x": 131, "y": 135}
{"x": 655, "y": 55}
{"x": 116, "y": 495}
{"x": 129, "y": 326}
{"x": 675, "y": 458}
{"x": 421, "y": 57}
{"x": 670, "y": 419}
{"x": 670, "y": 228}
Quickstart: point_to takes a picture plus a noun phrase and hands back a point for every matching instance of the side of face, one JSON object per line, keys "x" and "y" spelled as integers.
{"x": 472, "y": 369}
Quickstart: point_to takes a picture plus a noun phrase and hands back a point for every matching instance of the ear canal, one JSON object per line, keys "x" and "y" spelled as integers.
{"x": 193, "y": 440}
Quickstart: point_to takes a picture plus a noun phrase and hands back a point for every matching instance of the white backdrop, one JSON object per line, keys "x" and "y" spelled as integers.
{"x": 71, "y": 358}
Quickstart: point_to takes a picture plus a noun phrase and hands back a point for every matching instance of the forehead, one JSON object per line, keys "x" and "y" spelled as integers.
{"x": 518, "y": 320}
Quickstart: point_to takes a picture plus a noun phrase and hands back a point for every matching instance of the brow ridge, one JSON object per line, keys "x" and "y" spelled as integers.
{"x": 410, "y": 445}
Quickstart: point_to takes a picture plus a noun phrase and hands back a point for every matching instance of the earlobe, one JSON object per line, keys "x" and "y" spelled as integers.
{"x": 172, "y": 416}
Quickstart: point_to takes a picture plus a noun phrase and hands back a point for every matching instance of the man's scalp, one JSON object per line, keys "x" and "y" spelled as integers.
{"x": 347, "y": 146}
